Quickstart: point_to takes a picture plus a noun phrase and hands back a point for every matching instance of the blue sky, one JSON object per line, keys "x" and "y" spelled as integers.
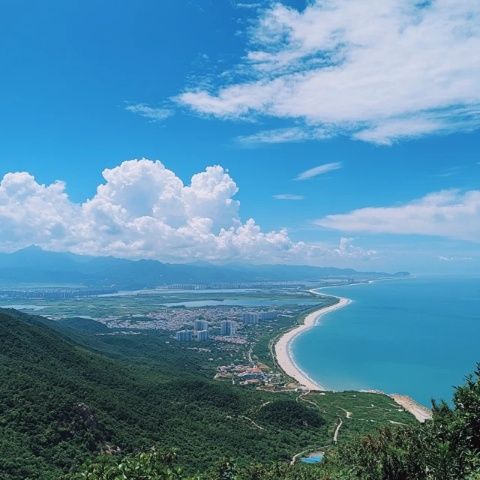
{"x": 87, "y": 85}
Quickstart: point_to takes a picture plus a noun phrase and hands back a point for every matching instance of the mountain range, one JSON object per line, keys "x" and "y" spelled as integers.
{"x": 32, "y": 265}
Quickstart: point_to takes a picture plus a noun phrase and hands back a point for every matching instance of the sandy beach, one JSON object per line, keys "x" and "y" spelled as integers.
{"x": 419, "y": 411}
{"x": 286, "y": 362}
{"x": 283, "y": 351}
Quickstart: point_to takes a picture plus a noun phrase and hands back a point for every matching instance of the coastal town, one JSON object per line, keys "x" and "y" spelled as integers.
{"x": 247, "y": 344}
{"x": 212, "y": 321}
{"x": 232, "y": 332}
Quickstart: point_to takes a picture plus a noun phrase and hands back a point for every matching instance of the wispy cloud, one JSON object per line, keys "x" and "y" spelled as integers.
{"x": 443, "y": 258}
{"x": 376, "y": 71}
{"x": 154, "y": 114}
{"x": 283, "y": 135}
{"x": 320, "y": 170}
{"x": 448, "y": 213}
{"x": 247, "y": 5}
{"x": 288, "y": 196}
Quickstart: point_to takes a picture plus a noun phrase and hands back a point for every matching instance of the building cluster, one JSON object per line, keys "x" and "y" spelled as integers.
{"x": 184, "y": 335}
{"x": 174, "y": 319}
{"x": 53, "y": 293}
{"x": 253, "y": 318}
{"x": 248, "y": 375}
{"x": 228, "y": 328}
{"x": 259, "y": 285}
{"x": 200, "y": 331}
{"x": 227, "y": 324}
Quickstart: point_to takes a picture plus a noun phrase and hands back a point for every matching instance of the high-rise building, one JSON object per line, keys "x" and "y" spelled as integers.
{"x": 228, "y": 328}
{"x": 267, "y": 315}
{"x": 202, "y": 335}
{"x": 184, "y": 335}
{"x": 200, "y": 324}
{"x": 250, "y": 318}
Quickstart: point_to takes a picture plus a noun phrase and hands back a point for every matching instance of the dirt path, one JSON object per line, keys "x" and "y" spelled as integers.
{"x": 249, "y": 356}
{"x": 335, "y": 435}
{"x": 347, "y": 413}
{"x": 297, "y": 455}
{"x": 255, "y": 424}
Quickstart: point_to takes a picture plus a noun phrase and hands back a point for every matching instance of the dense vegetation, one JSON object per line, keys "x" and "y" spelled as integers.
{"x": 289, "y": 414}
{"x": 62, "y": 403}
{"x": 69, "y": 399}
{"x": 446, "y": 448}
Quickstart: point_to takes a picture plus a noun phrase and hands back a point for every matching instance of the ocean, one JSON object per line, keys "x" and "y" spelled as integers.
{"x": 418, "y": 336}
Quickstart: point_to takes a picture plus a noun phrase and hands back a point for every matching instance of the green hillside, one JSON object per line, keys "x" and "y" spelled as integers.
{"x": 445, "y": 448}
{"x": 70, "y": 396}
{"x": 66, "y": 396}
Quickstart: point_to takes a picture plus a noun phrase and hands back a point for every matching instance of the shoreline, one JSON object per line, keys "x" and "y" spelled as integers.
{"x": 419, "y": 411}
{"x": 283, "y": 346}
{"x": 286, "y": 361}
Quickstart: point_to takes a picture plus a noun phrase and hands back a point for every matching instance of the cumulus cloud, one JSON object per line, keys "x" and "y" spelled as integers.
{"x": 347, "y": 249}
{"x": 154, "y": 114}
{"x": 144, "y": 210}
{"x": 35, "y": 212}
{"x": 319, "y": 170}
{"x": 378, "y": 71}
{"x": 448, "y": 213}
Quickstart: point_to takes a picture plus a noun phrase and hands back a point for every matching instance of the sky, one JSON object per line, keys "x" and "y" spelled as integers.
{"x": 329, "y": 132}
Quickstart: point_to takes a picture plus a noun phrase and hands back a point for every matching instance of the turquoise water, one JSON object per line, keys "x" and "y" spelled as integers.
{"x": 313, "y": 459}
{"x": 418, "y": 337}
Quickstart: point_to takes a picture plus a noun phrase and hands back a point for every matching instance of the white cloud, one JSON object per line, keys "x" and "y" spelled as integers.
{"x": 253, "y": 5}
{"x": 143, "y": 210}
{"x": 288, "y": 196}
{"x": 320, "y": 170}
{"x": 283, "y": 135}
{"x": 34, "y": 213}
{"x": 448, "y": 213}
{"x": 443, "y": 258}
{"x": 385, "y": 133}
{"x": 154, "y": 114}
{"x": 346, "y": 249}
{"x": 376, "y": 70}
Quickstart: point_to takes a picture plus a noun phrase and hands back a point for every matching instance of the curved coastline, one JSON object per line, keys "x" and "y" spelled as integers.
{"x": 286, "y": 360}
{"x": 283, "y": 347}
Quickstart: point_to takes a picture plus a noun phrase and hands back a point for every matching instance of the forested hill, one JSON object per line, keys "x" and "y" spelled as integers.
{"x": 61, "y": 404}
{"x": 64, "y": 404}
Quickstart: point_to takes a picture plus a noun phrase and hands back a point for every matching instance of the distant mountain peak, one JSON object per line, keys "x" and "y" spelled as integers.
{"x": 30, "y": 249}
